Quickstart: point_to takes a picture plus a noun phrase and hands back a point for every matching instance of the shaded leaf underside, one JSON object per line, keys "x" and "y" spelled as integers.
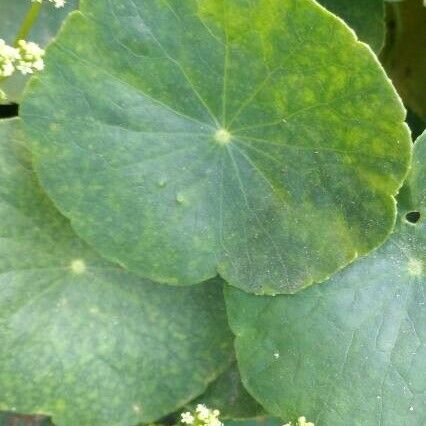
{"x": 228, "y": 394}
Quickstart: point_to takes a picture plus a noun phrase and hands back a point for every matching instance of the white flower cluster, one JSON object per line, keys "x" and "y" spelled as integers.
{"x": 27, "y": 57}
{"x": 202, "y": 416}
{"x": 8, "y": 57}
{"x": 301, "y": 421}
{"x": 57, "y": 3}
{"x": 31, "y": 57}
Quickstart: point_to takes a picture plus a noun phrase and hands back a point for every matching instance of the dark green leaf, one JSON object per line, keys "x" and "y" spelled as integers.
{"x": 366, "y": 17}
{"x": 228, "y": 394}
{"x": 351, "y": 350}
{"x": 127, "y": 127}
{"x": 14, "y": 419}
{"x": 81, "y": 339}
{"x": 405, "y": 53}
{"x": 263, "y": 421}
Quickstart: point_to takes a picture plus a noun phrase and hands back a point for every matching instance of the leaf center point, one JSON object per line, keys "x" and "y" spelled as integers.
{"x": 78, "y": 266}
{"x": 222, "y": 136}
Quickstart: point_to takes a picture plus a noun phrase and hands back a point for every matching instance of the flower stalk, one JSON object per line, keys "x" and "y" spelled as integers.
{"x": 28, "y": 22}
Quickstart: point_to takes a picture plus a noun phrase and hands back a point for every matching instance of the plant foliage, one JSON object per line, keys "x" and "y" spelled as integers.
{"x": 11, "y": 13}
{"x": 259, "y": 140}
{"x": 364, "y": 327}
{"x": 212, "y": 202}
{"x": 93, "y": 338}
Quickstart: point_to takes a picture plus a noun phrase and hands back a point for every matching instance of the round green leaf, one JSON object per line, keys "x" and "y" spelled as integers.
{"x": 351, "y": 350}
{"x": 83, "y": 340}
{"x": 12, "y": 13}
{"x": 257, "y": 139}
{"x": 366, "y": 17}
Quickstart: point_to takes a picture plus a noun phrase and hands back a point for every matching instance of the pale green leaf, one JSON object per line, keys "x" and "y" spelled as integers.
{"x": 258, "y": 139}
{"x": 80, "y": 338}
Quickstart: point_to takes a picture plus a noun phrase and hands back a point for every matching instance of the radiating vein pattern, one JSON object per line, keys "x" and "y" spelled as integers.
{"x": 258, "y": 139}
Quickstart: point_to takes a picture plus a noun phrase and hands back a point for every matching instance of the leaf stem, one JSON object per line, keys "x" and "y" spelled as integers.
{"x": 28, "y": 22}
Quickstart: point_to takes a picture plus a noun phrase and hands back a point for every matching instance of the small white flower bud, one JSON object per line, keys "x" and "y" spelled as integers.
{"x": 187, "y": 418}
{"x": 57, "y": 3}
{"x": 31, "y": 57}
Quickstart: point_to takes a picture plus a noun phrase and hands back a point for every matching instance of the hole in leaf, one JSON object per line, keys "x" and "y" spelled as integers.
{"x": 9, "y": 110}
{"x": 412, "y": 217}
